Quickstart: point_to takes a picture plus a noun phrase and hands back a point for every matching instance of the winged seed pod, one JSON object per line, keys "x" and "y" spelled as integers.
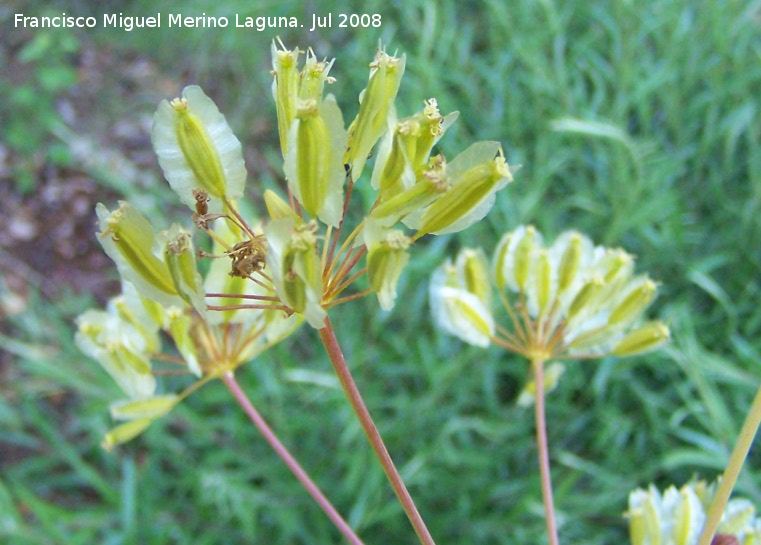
{"x": 314, "y": 76}
{"x": 129, "y": 240}
{"x": 120, "y": 348}
{"x": 285, "y": 86}
{"x": 294, "y": 265}
{"x": 181, "y": 262}
{"x": 456, "y": 309}
{"x": 386, "y": 258}
{"x": 405, "y": 149}
{"x": 572, "y": 300}
{"x": 261, "y": 281}
{"x": 313, "y": 164}
{"x": 375, "y": 107}
{"x": 677, "y": 516}
{"x": 475, "y": 177}
{"x": 197, "y": 150}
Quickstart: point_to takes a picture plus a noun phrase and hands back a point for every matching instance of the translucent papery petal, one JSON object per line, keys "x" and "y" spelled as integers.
{"x": 314, "y": 161}
{"x": 386, "y": 259}
{"x": 128, "y": 239}
{"x": 571, "y": 255}
{"x": 117, "y": 347}
{"x": 392, "y": 172}
{"x": 180, "y": 258}
{"x": 514, "y": 255}
{"x": 213, "y": 162}
{"x": 476, "y": 175}
{"x": 473, "y": 274}
{"x": 541, "y": 288}
{"x": 648, "y": 336}
{"x": 644, "y": 515}
{"x": 738, "y": 517}
{"x": 151, "y": 407}
{"x": 125, "y": 432}
{"x": 181, "y": 329}
{"x": 376, "y": 103}
{"x": 285, "y": 89}
{"x": 459, "y": 312}
{"x": 313, "y": 76}
{"x": 632, "y": 301}
{"x": 689, "y": 518}
{"x": 615, "y": 267}
{"x": 297, "y": 281}
{"x": 141, "y": 314}
{"x": 592, "y": 336}
{"x": 280, "y": 325}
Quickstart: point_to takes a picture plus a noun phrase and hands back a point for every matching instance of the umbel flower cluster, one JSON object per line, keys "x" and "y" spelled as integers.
{"x": 676, "y": 517}
{"x": 569, "y": 300}
{"x": 262, "y": 279}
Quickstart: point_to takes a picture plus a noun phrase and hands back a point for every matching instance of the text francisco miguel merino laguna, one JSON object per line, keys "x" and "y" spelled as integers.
{"x": 127, "y": 23}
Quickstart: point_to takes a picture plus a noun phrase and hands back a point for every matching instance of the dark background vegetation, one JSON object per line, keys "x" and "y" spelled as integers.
{"x": 636, "y": 122}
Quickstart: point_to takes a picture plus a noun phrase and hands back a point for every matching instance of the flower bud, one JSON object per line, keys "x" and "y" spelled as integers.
{"x": 129, "y": 240}
{"x": 197, "y": 150}
{"x": 376, "y": 104}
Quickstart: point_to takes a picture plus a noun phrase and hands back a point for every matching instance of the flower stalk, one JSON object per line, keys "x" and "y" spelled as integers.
{"x": 732, "y": 471}
{"x": 248, "y": 407}
{"x": 543, "y": 453}
{"x": 328, "y": 337}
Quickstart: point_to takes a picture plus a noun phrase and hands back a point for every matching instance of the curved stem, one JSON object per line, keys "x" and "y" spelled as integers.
{"x": 328, "y": 337}
{"x": 229, "y": 379}
{"x": 732, "y": 471}
{"x": 543, "y": 452}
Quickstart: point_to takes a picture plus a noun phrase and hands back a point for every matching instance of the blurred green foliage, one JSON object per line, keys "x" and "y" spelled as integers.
{"x": 636, "y": 123}
{"x": 42, "y": 70}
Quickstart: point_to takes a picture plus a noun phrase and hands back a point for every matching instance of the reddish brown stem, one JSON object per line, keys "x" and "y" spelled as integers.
{"x": 544, "y": 453}
{"x": 328, "y": 337}
{"x": 229, "y": 379}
